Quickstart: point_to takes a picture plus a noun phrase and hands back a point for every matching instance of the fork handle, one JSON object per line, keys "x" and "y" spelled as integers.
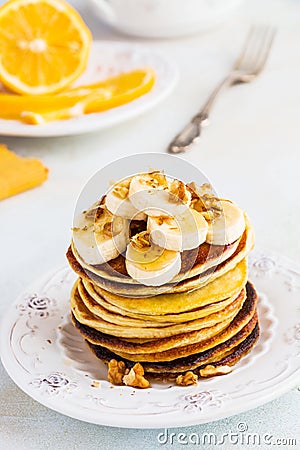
{"x": 191, "y": 132}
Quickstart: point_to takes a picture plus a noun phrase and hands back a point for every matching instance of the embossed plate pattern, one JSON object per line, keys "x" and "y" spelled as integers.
{"x": 48, "y": 359}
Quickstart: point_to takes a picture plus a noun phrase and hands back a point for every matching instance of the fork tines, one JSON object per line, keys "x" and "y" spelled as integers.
{"x": 256, "y": 50}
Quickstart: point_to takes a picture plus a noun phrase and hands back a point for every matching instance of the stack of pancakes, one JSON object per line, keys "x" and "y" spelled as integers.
{"x": 203, "y": 321}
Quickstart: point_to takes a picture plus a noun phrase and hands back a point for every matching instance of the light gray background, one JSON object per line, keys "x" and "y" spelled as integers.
{"x": 250, "y": 153}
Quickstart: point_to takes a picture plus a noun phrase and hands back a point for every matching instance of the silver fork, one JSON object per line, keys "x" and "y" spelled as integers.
{"x": 246, "y": 68}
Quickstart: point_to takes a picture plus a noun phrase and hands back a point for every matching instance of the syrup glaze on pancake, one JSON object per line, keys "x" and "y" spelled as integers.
{"x": 198, "y": 256}
{"x": 193, "y": 262}
{"x": 206, "y": 255}
{"x": 203, "y": 254}
{"x": 139, "y": 290}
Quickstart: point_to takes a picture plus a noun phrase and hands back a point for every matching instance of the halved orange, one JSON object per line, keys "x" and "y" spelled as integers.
{"x": 44, "y": 45}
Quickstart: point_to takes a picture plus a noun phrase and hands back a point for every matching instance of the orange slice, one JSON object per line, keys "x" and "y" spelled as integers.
{"x": 101, "y": 96}
{"x": 44, "y": 45}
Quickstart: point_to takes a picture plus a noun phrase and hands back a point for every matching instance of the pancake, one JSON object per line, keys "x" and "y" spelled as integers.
{"x": 238, "y": 322}
{"x": 138, "y": 290}
{"x": 205, "y": 317}
{"x": 212, "y": 355}
{"x": 99, "y": 311}
{"x": 174, "y": 305}
{"x": 86, "y": 317}
{"x": 175, "y": 346}
{"x": 144, "y": 320}
{"x": 228, "y": 353}
{"x": 230, "y": 359}
{"x": 194, "y": 313}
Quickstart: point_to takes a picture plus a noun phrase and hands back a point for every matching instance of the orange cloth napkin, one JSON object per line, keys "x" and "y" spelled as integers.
{"x": 18, "y": 174}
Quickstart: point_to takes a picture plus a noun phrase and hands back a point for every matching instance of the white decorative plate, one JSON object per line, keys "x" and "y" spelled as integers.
{"x": 107, "y": 59}
{"x": 48, "y": 359}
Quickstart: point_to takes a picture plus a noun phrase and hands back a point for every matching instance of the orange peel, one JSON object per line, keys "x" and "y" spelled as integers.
{"x": 96, "y": 97}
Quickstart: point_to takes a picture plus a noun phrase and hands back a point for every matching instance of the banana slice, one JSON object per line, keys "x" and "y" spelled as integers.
{"x": 118, "y": 203}
{"x": 99, "y": 236}
{"x": 150, "y": 264}
{"x": 184, "y": 232}
{"x": 157, "y": 195}
{"x": 225, "y": 225}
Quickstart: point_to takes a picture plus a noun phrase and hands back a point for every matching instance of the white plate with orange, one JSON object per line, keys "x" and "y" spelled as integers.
{"x": 107, "y": 59}
{"x": 55, "y": 81}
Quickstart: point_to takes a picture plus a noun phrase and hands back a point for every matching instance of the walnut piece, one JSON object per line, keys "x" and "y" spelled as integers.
{"x": 116, "y": 371}
{"x": 99, "y": 212}
{"x": 135, "y": 377}
{"x": 95, "y": 210}
{"x": 178, "y": 192}
{"x": 108, "y": 229}
{"x": 110, "y": 226}
{"x": 206, "y": 201}
{"x": 121, "y": 190}
{"x": 211, "y": 371}
{"x": 200, "y": 191}
{"x": 187, "y": 379}
{"x": 164, "y": 219}
{"x": 141, "y": 240}
{"x": 156, "y": 179}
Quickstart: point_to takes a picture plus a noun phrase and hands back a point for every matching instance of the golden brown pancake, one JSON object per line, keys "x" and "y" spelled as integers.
{"x": 96, "y": 308}
{"x": 174, "y": 305}
{"x": 176, "y": 346}
{"x": 179, "y": 317}
{"x": 86, "y": 317}
{"x": 228, "y": 353}
{"x": 231, "y": 359}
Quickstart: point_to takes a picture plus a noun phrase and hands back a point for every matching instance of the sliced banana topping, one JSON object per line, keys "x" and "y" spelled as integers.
{"x": 225, "y": 224}
{"x": 150, "y": 264}
{"x": 118, "y": 202}
{"x": 158, "y": 195}
{"x": 99, "y": 236}
{"x": 180, "y": 233}
{"x": 179, "y": 217}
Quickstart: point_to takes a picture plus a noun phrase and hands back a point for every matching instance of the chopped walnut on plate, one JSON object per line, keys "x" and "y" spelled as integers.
{"x": 119, "y": 374}
{"x": 116, "y": 371}
{"x": 135, "y": 377}
{"x": 187, "y": 379}
{"x": 211, "y": 371}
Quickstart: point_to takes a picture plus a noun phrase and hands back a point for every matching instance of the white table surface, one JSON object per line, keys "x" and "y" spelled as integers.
{"x": 250, "y": 153}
